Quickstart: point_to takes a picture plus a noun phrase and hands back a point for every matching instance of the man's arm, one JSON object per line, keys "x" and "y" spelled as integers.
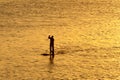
{"x": 49, "y": 37}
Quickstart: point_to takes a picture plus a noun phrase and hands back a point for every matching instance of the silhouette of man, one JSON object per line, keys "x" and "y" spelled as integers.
{"x": 51, "y": 46}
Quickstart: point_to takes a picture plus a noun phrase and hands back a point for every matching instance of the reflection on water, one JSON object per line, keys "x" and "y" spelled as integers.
{"x": 51, "y": 68}
{"x": 51, "y": 60}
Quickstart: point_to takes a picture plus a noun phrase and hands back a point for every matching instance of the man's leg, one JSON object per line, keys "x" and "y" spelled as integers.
{"x": 52, "y": 51}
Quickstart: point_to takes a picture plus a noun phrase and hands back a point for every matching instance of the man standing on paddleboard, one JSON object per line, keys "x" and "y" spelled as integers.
{"x": 51, "y": 46}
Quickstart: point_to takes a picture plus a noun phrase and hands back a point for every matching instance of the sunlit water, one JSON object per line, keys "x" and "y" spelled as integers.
{"x": 87, "y": 40}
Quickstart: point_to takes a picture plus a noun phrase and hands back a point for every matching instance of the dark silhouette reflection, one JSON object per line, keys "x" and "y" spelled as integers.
{"x": 51, "y": 64}
{"x": 51, "y": 60}
{"x": 51, "y": 69}
{"x": 51, "y": 46}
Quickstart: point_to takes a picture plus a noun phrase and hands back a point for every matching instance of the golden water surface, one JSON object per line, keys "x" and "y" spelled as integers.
{"x": 87, "y": 39}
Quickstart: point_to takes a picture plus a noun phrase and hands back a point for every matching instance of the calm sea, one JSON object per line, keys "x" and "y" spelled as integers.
{"x": 86, "y": 33}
